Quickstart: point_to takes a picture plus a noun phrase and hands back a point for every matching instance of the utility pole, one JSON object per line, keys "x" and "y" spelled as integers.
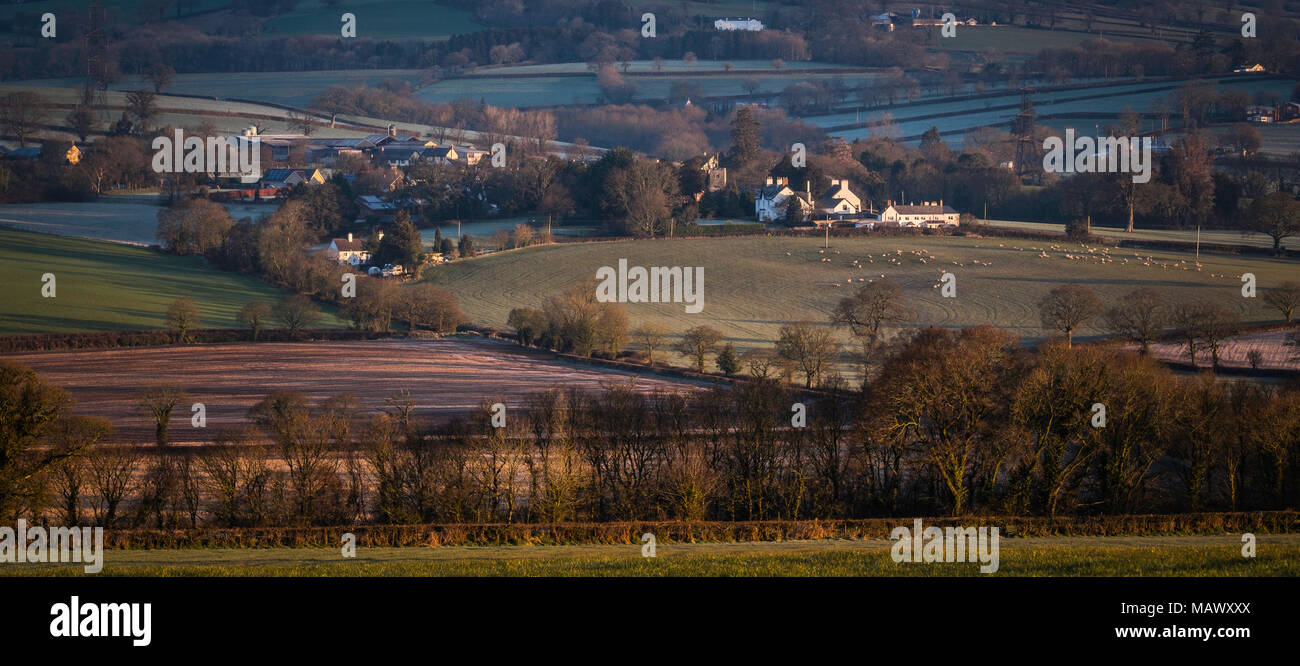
{"x": 1198, "y": 244}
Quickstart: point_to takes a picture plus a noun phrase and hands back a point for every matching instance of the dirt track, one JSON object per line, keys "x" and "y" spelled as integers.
{"x": 445, "y": 377}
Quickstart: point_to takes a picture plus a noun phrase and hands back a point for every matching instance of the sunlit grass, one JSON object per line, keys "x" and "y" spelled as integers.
{"x": 1049, "y": 556}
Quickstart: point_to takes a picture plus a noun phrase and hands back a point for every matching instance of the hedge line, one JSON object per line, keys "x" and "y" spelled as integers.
{"x": 1262, "y": 522}
{"x": 111, "y": 339}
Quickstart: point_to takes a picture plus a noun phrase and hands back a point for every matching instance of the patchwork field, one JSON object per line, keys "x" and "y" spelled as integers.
{"x": 1278, "y": 555}
{"x": 753, "y": 285}
{"x": 445, "y": 377}
{"x": 913, "y": 119}
{"x": 109, "y": 286}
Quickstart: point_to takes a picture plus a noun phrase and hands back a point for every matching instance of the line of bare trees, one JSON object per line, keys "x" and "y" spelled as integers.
{"x": 955, "y": 422}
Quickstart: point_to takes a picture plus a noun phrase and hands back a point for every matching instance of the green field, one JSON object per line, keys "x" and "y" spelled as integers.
{"x": 107, "y": 286}
{"x": 572, "y": 83}
{"x": 118, "y": 218}
{"x": 1038, "y": 556}
{"x": 753, "y": 285}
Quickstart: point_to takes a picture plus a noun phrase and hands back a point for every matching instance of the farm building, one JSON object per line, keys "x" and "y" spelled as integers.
{"x": 929, "y": 214}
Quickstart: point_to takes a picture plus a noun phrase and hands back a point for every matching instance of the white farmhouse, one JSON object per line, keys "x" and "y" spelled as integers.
{"x": 929, "y": 214}
{"x": 837, "y": 201}
{"x": 348, "y": 251}
{"x": 769, "y": 205}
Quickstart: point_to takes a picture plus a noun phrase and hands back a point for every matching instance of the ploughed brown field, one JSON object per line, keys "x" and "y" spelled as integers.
{"x": 445, "y": 377}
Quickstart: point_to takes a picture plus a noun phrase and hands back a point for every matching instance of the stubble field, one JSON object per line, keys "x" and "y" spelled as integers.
{"x": 445, "y": 377}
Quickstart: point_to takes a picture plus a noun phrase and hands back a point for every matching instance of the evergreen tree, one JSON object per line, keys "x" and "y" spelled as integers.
{"x": 402, "y": 243}
{"x": 746, "y": 144}
{"x": 727, "y": 361}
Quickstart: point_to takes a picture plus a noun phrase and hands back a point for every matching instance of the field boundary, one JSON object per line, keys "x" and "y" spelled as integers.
{"x": 433, "y": 535}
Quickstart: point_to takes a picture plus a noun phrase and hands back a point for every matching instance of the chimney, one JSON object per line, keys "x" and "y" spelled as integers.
{"x": 392, "y": 129}
{"x": 349, "y": 236}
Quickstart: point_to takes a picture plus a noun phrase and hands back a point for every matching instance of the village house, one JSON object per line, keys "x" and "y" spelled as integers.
{"x": 838, "y": 201}
{"x": 471, "y": 156}
{"x": 444, "y": 155}
{"x": 349, "y": 250}
{"x": 928, "y": 214}
{"x": 769, "y": 204}
{"x": 370, "y": 206}
{"x": 288, "y": 178}
{"x": 395, "y": 155}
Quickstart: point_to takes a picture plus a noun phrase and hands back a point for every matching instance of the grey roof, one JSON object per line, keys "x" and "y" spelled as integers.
{"x": 924, "y": 210}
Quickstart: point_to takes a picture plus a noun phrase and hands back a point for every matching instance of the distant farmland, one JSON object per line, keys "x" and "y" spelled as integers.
{"x": 572, "y": 83}
{"x": 134, "y": 222}
{"x": 753, "y": 285}
{"x": 445, "y": 377}
{"x": 377, "y": 19}
{"x": 959, "y": 116}
{"x": 293, "y": 88}
{"x": 107, "y": 286}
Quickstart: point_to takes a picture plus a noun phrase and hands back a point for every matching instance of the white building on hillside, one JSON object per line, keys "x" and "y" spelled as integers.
{"x": 929, "y": 214}
{"x": 348, "y": 251}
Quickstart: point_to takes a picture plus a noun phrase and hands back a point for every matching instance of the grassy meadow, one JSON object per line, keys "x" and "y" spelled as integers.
{"x": 753, "y": 285}
{"x": 1277, "y": 555}
{"x": 108, "y": 286}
